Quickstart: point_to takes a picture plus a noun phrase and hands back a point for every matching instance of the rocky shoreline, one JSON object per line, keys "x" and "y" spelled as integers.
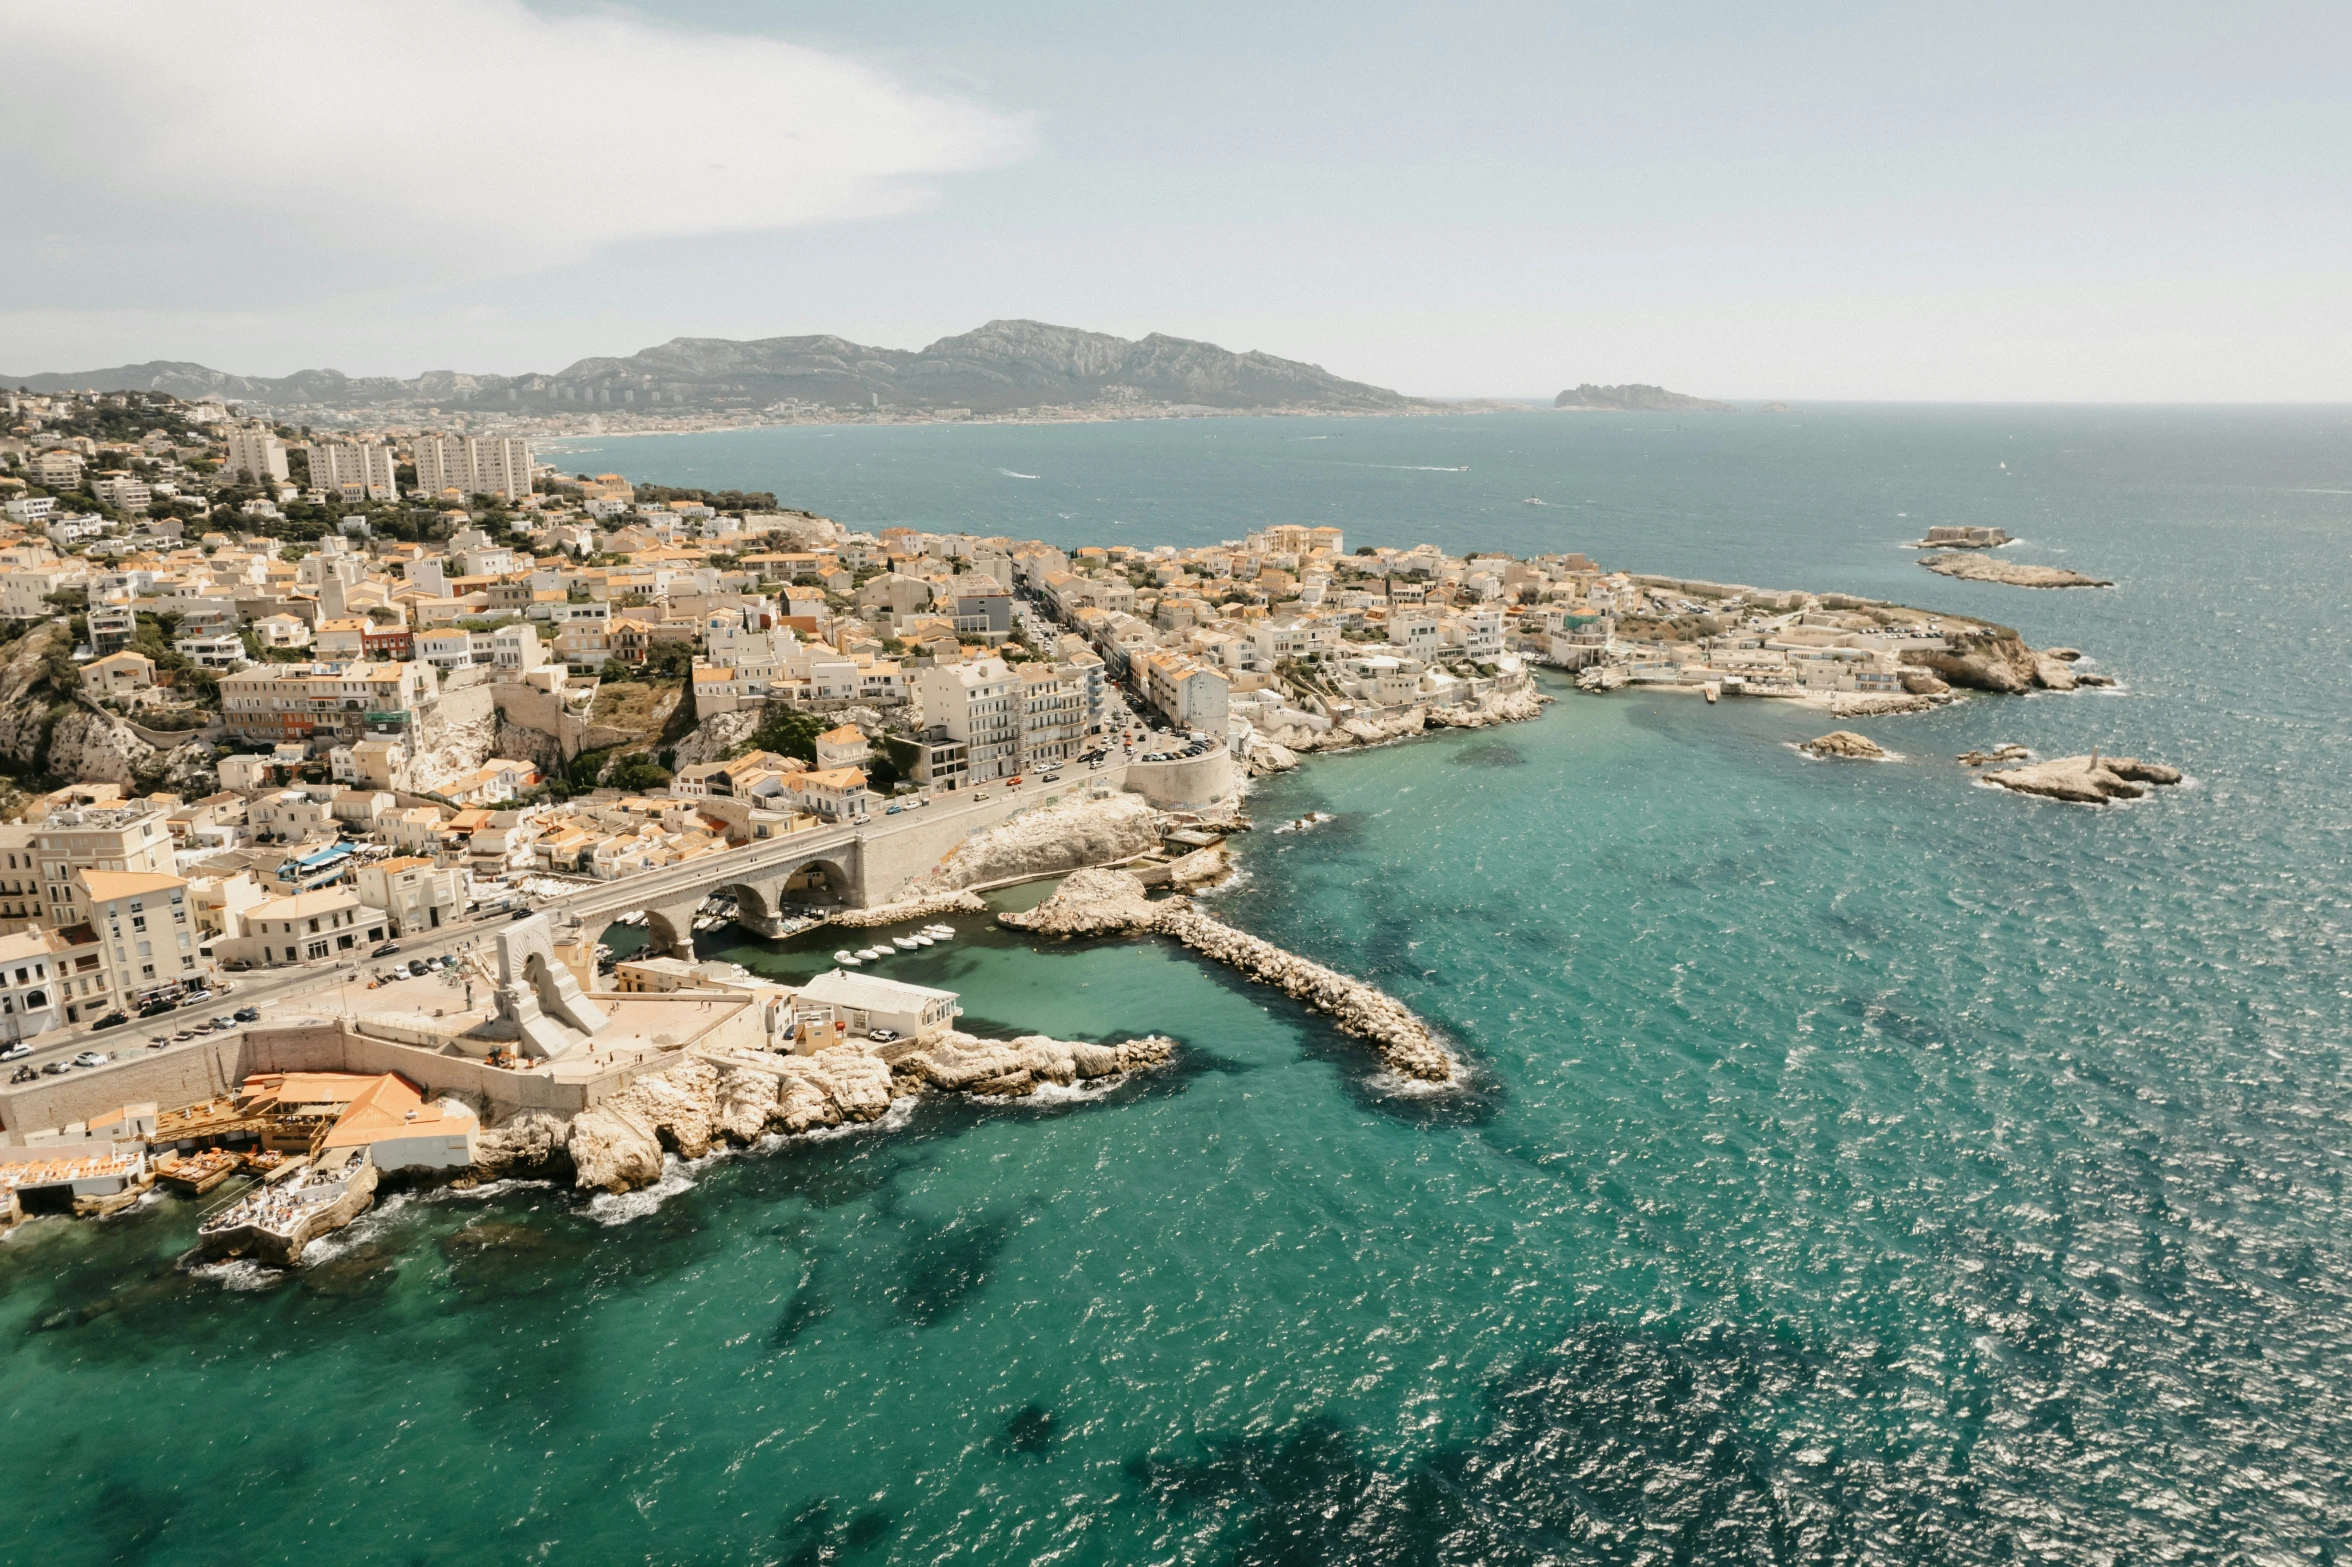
{"x": 737, "y": 1098}
{"x": 1109, "y": 902}
{"x": 1284, "y": 748}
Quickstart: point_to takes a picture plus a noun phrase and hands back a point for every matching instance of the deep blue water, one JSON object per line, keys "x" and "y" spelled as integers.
{"x": 1860, "y": 1165}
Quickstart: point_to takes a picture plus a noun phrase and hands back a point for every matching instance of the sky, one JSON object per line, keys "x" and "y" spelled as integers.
{"x": 1993, "y": 202}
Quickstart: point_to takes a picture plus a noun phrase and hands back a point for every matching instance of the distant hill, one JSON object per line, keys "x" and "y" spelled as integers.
{"x": 1638, "y": 399}
{"x": 1003, "y": 366}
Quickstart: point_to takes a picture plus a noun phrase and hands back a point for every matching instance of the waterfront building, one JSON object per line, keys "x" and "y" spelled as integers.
{"x": 867, "y": 1001}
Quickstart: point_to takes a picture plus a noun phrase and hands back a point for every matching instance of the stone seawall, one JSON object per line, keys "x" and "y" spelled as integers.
{"x": 1108, "y": 902}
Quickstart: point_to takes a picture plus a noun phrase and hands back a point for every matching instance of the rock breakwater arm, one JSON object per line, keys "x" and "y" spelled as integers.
{"x": 1108, "y": 902}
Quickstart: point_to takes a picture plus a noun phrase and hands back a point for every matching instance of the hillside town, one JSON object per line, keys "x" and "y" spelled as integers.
{"x": 281, "y": 712}
{"x": 260, "y": 687}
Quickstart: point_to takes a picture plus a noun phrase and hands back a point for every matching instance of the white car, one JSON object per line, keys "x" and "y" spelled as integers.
{"x": 91, "y": 1058}
{"x": 16, "y": 1052}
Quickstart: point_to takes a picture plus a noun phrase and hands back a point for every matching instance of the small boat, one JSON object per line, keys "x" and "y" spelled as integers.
{"x": 904, "y": 943}
{"x": 940, "y": 932}
{"x": 871, "y": 953}
{"x": 847, "y": 958}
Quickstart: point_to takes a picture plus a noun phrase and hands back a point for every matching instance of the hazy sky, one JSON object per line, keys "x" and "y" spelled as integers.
{"x": 2090, "y": 201}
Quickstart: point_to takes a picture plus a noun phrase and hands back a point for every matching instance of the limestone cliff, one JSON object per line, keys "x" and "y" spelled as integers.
{"x": 1047, "y": 840}
{"x": 455, "y": 736}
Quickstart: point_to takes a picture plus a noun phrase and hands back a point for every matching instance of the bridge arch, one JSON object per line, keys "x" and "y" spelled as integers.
{"x": 816, "y": 882}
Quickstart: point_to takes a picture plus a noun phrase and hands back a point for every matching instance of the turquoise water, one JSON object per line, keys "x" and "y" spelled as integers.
{"x": 1860, "y": 1165}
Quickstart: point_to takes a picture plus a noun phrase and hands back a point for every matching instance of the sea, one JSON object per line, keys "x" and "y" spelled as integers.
{"x": 1856, "y": 1163}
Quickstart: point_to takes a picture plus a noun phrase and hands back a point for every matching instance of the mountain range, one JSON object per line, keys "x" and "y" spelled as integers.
{"x": 1004, "y": 366}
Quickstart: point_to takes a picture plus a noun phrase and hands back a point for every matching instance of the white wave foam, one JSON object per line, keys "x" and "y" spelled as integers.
{"x": 1008, "y": 473}
{"x": 610, "y": 1208}
{"x": 243, "y": 1273}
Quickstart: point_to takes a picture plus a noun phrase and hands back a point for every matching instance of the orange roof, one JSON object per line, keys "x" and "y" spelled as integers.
{"x": 390, "y": 1107}
{"x": 104, "y": 885}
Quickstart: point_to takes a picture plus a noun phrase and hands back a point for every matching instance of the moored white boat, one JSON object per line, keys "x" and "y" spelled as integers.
{"x": 871, "y": 953}
{"x": 903, "y": 943}
{"x": 847, "y": 958}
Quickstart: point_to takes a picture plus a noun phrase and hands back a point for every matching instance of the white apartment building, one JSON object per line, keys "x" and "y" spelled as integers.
{"x": 1053, "y": 716}
{"x": 256, "y": 453}
{"x": 415, "y": 893}
{"x": 358, "y": 470}
{"x": 306, "y": 928}
{"x": 146, "y": 933}
{"x": 978, "y": 703}
{"x": 122, "y": 492}
{"x": 474, "y": 465}
{"x": 105, "y": 838}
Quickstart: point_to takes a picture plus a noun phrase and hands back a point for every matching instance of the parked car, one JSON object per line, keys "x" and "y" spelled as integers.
{"x": 386, "y": 950}
{"x": 91, "y": 1058}
{"x": 520, "y": 914}
{"x": 892, "y": 810}
{"x": 57, "y": 1069}
{"x": 418, "y": 968}
{"x": 881, "y": 1036}
{"x": 16, "y": 1052}
{"x": 1051, "y": 778}
{"x": 115, "y": 1019}
{"x": 248, "y": 1014}
{"x": 156, "y": 1008}
{"x": 224, "y": 1022}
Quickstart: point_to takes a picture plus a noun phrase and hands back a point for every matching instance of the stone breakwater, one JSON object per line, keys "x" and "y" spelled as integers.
{"x": 737, "y": 1098}
{"x": 1105, "y": 903}
{"x": 910, "y": 909}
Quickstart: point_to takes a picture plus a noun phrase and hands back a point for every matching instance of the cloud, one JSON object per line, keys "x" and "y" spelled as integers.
{"x": 452, "y": 139}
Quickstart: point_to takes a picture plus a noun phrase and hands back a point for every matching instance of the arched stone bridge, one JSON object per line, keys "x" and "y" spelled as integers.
{"x": 834, "y": 867}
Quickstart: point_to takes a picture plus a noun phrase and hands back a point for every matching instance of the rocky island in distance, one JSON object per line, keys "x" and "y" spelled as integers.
{"x": 1638, "y": 399}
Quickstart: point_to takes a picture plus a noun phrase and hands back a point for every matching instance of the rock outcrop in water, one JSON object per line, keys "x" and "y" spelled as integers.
{"x": 1104, "y": 902}
{"x": 2016, "y": 574}
{"x": 1844, "y": 743}
{"x": 2085, "y": 780}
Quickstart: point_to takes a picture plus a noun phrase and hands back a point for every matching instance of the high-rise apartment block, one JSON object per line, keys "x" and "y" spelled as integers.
{"x": 474, "y": 465}
{"x": 358, "y": 470}
{"x": 256, "y": 454}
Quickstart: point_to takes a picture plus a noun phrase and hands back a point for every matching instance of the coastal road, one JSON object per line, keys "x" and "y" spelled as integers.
{"x": 267, "y": 987}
